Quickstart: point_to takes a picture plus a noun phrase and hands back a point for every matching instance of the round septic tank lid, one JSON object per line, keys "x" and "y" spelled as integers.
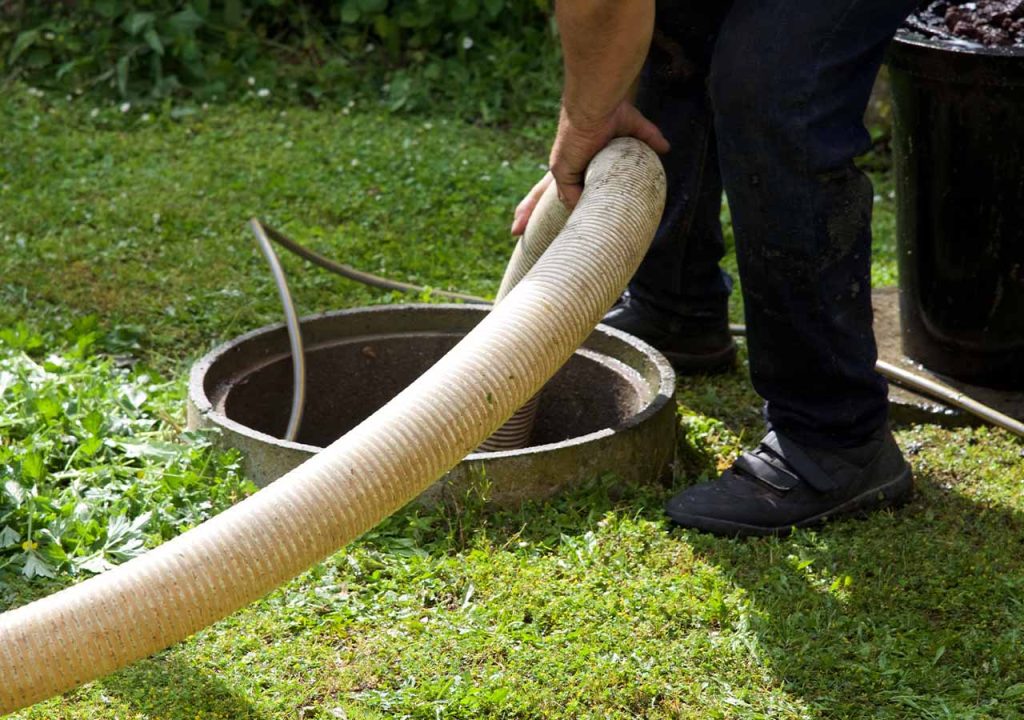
{"x": 610, "y": 409}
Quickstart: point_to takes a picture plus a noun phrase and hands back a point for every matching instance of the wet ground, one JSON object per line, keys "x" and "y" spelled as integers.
{"x": 989, "y": 22}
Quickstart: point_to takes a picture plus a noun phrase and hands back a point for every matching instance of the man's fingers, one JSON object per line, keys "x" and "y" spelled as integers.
{"x": 569, "y": 180}
{"x": 522, "y": 218}
{"x": 636, "y": 125}
{"x": 524, "y": 210}
{"x": 569, "y": 194}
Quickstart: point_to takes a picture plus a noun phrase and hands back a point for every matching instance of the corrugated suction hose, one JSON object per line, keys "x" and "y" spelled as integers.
{"x": 550, "y": 217}
{"x": 162, "y": 597}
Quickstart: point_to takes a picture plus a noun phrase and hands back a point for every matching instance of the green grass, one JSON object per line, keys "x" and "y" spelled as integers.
{"x": 585, "y": 606}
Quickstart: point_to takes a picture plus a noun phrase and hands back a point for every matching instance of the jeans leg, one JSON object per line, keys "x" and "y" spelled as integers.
{"x": 790, "y": 81}
{"x": 680, "y": 273}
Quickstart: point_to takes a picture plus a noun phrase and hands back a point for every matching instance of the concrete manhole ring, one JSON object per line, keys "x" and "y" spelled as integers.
{"x": 611, "y": 408}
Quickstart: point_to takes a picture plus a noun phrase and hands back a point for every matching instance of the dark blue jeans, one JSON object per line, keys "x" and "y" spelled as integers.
{"x": 765, "y": 99}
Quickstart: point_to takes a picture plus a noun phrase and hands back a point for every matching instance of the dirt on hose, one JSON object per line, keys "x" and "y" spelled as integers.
{"x": 989, "y": 22}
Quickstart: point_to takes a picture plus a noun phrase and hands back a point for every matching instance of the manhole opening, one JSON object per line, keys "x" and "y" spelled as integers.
{"x": 347, "y": 381}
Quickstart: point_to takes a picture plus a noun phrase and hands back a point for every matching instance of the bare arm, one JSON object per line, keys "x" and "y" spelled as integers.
{"x": 604, "y": 43}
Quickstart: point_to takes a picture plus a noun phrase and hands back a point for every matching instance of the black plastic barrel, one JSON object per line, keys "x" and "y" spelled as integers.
{"x": 958, "y": 150}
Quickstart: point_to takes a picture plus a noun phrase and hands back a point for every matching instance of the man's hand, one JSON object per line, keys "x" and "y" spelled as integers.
{"x": 604, "y": 44}
{"x": 576, "y": 144}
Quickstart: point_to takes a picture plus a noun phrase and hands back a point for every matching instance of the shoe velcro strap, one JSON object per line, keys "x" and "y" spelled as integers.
{"x": 794, "y": 457}
{"x": 761, "y": 467}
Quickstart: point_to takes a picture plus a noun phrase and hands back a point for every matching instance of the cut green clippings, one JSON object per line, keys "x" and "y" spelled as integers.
{"x": 93, "y": 466}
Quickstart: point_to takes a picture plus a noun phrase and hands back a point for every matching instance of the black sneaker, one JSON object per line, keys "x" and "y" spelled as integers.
{"x": 782, "y": 485}
{"x": 693, "y": 346}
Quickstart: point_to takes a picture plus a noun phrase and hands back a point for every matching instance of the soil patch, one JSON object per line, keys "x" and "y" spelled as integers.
{"x": 989, "y": 22}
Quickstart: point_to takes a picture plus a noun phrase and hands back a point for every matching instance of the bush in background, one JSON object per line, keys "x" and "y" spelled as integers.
{"x": 487, "y": 60}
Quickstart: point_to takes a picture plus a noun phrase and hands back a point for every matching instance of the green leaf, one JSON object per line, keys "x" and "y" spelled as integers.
{"x": 16, "y": 492}
{"x": 464, "y": 10}
{"x": 148, "y": 449}
{"x": 22, "y": 43}
{"x": 122, "y": 75}
{"x": 70, "y": 66}
{"x": 35, "y": 566}
{"x": 48, "y": 407}
{"x": 350, "y": 12}
{"x": 135, "y": 23}
{"x": 32, "y": 466}
{"x": 109, "y": 9}
{"x": 9, "y": 536}
{"x": 38, "y": 57}
{"x": 90, "y": 446}
{"x": 53, "y": 552}
{"x": 372, "y": 6}
{"x": 93, "y": 422}
{"x": 185, "y": 22}
{"x": 388, "y": 31}
{"x": 1014, "y": 691}
{"x": 153, "y": 40}
{"x": 233, "y": 13}
{"x": 413, "y": 19}
{"x": 95, "y": 564}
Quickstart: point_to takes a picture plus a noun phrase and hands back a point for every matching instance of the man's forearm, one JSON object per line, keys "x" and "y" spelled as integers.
{"x": 604, "y": 43}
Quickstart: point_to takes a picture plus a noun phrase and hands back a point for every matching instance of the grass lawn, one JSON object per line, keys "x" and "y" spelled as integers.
{"x": 587, "y": 606}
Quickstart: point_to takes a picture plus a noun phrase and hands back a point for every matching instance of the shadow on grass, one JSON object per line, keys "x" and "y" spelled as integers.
{"x": 916, "y": 613}
{"x": 166, "y": 688}
{"x": 931, "y": 620}
{"x": 463, "y": 515}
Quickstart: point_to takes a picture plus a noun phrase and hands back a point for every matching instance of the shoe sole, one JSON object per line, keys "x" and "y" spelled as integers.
{"x": 894, "y": 493}
{"x": 715, "y": 363}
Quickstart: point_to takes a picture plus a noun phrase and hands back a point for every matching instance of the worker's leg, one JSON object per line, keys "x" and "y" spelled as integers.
{"x": 680, "y": 272}
{"x": 790, "y": 80}
{"x": 678, "y": 298}
{"x": 790, "y": 83}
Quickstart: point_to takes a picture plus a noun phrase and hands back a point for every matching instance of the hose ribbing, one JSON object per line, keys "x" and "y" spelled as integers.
{"x": 162, "y": 597}
{"x": 549, "y": 218}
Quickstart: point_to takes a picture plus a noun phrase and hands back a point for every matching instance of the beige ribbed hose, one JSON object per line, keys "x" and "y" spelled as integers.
{"x": 548, "y": 219}
{"x": 162, "y": 597}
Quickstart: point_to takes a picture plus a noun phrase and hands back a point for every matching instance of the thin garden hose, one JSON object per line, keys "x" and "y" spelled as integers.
{"x": 360, "y": 276}
{"x": 551, "y": 217}
{"x": 904, "y": 378}
{"x": 151, "y": 602}
{"x": 291, "y": 321}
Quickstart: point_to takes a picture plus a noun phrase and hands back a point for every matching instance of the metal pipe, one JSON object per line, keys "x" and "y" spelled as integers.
{"x": 929, "y": 388}
{"x": 932, "y": 389}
